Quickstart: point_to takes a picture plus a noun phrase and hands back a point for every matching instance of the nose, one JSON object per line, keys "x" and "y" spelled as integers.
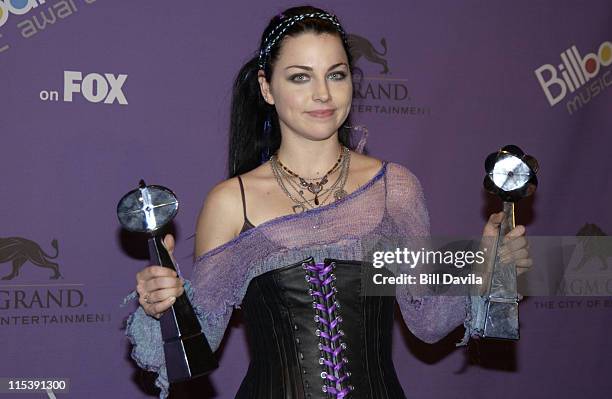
{"x": 321, "y": 91}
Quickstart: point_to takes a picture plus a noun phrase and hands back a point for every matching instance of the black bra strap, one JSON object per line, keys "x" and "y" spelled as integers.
{"x": 243, "y": 200}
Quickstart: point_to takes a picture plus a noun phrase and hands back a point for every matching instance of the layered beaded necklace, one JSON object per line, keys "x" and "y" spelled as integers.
{"x": 287, "y": 179}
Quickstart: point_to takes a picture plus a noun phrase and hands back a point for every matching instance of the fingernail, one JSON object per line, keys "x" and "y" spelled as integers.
{"x": 173, "y": 299}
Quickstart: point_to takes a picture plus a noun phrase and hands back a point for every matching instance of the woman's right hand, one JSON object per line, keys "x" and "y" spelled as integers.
{"x": 158, "y": 286}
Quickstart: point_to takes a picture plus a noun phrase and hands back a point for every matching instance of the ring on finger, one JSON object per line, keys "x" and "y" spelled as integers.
{"x": 146, "y": 298}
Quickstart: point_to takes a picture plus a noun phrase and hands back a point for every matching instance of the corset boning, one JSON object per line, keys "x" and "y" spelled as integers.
{"x": 312, "y": 335}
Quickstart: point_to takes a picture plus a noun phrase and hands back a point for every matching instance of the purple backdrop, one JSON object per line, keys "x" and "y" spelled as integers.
{"x": 464, "y": 78}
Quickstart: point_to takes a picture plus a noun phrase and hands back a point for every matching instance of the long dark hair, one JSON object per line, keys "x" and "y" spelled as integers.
{"x": 249, "y": 110}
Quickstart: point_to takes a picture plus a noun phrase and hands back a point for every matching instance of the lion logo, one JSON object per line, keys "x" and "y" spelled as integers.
{"x": 21, "y": 250}
{"x": 361, "y": 47}
{"x": 593, "y": 247}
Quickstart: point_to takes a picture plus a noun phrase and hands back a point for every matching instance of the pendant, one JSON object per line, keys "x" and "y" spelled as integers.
{"x": 315, "y": 188}
{"x": 299, "y": 207}
{"x": 338, "y": 194}
{"x": 316, "y": 200}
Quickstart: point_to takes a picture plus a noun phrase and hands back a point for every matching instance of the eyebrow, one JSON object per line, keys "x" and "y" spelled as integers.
{"x": 307, "y": 68}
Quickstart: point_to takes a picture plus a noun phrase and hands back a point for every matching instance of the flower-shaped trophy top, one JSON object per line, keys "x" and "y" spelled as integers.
{"x": 511, "y": 174}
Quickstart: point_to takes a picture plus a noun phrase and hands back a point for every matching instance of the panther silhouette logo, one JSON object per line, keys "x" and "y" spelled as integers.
{"x": 361, "y": 47}
{"x": 593, "y": 248}
{"x": 20, "y": 250}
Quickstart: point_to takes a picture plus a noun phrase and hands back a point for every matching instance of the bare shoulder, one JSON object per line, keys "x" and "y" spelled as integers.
{"x": 364, "y": 167}
{"x": 219, "y": 216}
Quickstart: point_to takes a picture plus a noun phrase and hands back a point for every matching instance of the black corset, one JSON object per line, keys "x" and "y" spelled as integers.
{"x": 312, "y": 335}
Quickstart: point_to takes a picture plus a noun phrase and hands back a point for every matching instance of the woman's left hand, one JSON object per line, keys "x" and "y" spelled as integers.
{"x": 514, "y": 247}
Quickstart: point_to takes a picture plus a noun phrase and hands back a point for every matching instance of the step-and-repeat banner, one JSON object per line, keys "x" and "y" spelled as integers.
{"x": 96, "y": 95}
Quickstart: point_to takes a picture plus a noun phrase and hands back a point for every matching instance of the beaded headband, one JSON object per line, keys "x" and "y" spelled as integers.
{"x": 285, "y": 24}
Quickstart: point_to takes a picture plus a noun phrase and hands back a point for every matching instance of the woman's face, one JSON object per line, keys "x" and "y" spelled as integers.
{"x": 311, "y": 74}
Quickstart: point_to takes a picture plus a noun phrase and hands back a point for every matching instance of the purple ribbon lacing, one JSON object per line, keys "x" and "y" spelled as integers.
{"x": 323, "y": 290}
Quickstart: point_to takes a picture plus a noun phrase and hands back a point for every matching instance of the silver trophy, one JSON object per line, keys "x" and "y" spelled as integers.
{"x": 511, "y": 175}
{"x": 148, "y": 209}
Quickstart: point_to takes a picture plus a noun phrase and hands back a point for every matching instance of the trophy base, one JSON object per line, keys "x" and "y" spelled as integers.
{"x": 501, "y": 319}
{"x": 189, "y": 357}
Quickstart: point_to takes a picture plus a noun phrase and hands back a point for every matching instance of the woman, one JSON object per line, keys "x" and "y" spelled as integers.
{"x": 284, "y": 236}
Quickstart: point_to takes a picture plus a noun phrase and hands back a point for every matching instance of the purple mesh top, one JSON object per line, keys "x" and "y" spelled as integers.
{"x": 391, "y": 204}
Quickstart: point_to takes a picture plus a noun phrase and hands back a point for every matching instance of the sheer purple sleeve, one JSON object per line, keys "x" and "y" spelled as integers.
{"x": 428, "y": 317}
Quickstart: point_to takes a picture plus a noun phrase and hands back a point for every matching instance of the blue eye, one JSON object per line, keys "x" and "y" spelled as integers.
{"x": 342, "y": 75}
{"x": 297, "y": 80}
